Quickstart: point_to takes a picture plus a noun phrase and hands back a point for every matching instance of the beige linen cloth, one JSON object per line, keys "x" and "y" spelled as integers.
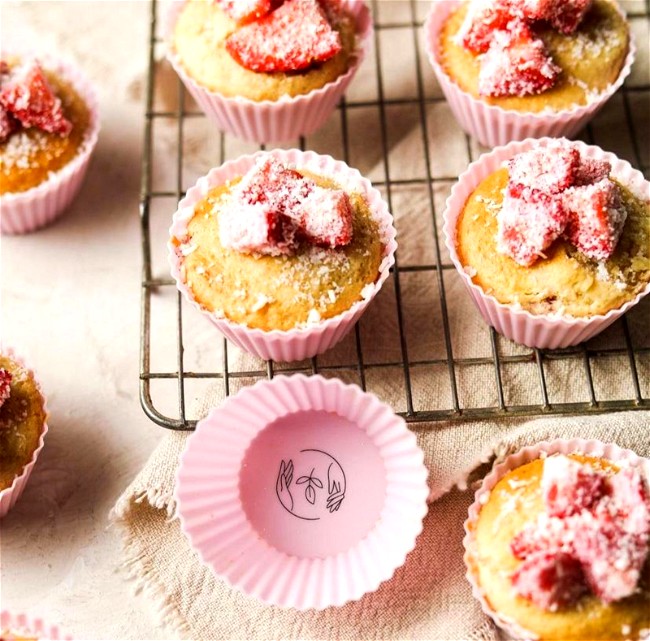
{"x": 427, "y": 598}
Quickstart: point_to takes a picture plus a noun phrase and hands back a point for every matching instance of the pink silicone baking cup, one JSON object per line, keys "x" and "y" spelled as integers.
{"x": 246, "y": 506}
{"x": 274, "y": 120}
{"x": 25, "y": 211}
{"x": 10, "y": 495}
{"x": 23, "y": 624}
{"x": 596, "y": 449}
{"x": 294, "y": 344}
{"x": 492, "y": 125}
{"x": 551, "y": 331}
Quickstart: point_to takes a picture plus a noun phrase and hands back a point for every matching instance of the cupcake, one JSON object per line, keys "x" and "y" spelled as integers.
{"x": 23, "y": 426}
{"x": 282, "y": 250}
{"x": 557, "y": 543}
{"x": 48, "y": 128}
{"x": 512, "y": 70}
{"x": 553, "y": 243}
{"x": 267, "y": 70}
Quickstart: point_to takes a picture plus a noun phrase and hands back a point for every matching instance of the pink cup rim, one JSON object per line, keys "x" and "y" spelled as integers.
{"x": 364, "y": 33}
{"x": 456, "y": 201}
{"x": 300, "y": 158}
{"x": 25, "y": 624}
{"x": 71, "y": 72}
{"x": 395, "y": 442}
{"x": 432, "y": 26}
{"x": 27, "y": 469}
{"x": 590, "y": 447}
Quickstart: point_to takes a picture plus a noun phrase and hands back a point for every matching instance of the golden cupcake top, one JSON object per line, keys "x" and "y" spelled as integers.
{"x": 537, "y": 54}
{"x": 562, "y": 549}
{"x": 21, "y": 418}
{"x": 42, "y": 123}
{"x": 264, "y": 49}
{"x": 280, "y": 248}
{"x": 554, "y": 233}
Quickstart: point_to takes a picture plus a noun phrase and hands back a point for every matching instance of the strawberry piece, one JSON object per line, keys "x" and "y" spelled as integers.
{"x": 242, "y": 11}
{"x": 483, "y": 19}
{"x": 528, "y": 222}
{"x": 569, "y": 487}
{"x": 551, "y": 580}
{"x": 8, "y": 124}
{"x": 596, "y": 218}
{"x": 516, "y": 64}
{"x": 295, "y": 36}
{"x": 549, "y": 169}
{"x": 5, "y": 385}
{"x": 547, "y": 534}
{"x": 30, "y": 99}
{"x": 564, "y": 16}
{"x": 256, "y": 228}
{"x": 591, "y": 171}
{"x": 327, "y": 217}
{"x": 631, "y": 501}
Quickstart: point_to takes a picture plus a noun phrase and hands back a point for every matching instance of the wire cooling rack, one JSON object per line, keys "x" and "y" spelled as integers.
{"x": 446, "y": 364}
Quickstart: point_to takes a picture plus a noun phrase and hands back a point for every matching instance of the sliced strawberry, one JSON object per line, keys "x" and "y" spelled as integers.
{"x": 568, "y": 487}
{"x": 257, "y": 228}
{"x": 528, "y": 222}
{"x": 548, "y": 534}
{"x": 596, "y": 218}
{"x": 30, "y": 99}
{"x": 516, "y": 64}
{"x": 5, "y": 385}
{"x": 327, "y": 217}
{"x": 564, "y": 16}
{"x": 591, "y": 171}
{"x": 483, "y": 19}
{"x": 549, "y": 169}
{"x": 8, "y": 124}
{"x": 243, "y": 11}
{"x": 551, "y": 580}
{"x": 293, "y": 37}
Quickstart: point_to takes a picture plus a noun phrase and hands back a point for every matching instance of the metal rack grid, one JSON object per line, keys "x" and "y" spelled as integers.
{"x": 625, "y": 350}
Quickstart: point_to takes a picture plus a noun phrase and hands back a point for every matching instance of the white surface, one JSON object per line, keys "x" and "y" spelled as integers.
{"x": 70, "y": 306}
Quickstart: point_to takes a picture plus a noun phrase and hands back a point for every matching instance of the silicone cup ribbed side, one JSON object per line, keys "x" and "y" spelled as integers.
{"x": 212, "y": 515}
{"x": 534, "y": 330}
{"x": 295, "y": 344}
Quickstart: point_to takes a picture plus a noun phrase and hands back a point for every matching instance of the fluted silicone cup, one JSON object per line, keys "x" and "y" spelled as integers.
{"x": 593, "y": 448}
{"x": 25, "y": 211}
{"x": 550, "y": 331}
{"x": 10, "y": 495}
{"x": 492, "y": 125}
{"x": 302, "y": 492}
{"x": 301, "y": 343}
{"x": 273, "y": 120}
{"x": 31, "y": 627}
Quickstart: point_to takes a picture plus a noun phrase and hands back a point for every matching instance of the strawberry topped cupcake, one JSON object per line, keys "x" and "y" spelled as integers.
{"x": 268, "y": 69}
{"x": 548, "y": 64}
{"x": 283, "y": 251}
{"x": 552, "y": 239}
{"x": 558, "y": 546}
{"x": 48, "y": 127}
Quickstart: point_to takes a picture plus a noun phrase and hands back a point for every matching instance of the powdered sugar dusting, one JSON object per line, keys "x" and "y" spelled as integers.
{"x": 5, "y": 385}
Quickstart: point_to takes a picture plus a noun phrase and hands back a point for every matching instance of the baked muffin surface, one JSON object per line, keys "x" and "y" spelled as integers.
{"x": 278, "y": 292}
{"x": 565, "y": 282}
{"x": 515, "y": 502}
{"x": 21, "y": 422}
{"x": 199, "y": 42}
{"x": 591, "y": 60}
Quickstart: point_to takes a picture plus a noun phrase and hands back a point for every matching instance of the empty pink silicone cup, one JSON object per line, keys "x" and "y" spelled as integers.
{"x": 550, "y": 331}
{"x": 303, "y": 342}
{"x": 592, "y": 448}
{"x": 22, "y": 626}
{"x": 273, "y": 120}
{"x": 302, "y": 492}
{"x": 11, "y": 494}
{"x": 492, "y": 125}
{"x": 25, "y": 211}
